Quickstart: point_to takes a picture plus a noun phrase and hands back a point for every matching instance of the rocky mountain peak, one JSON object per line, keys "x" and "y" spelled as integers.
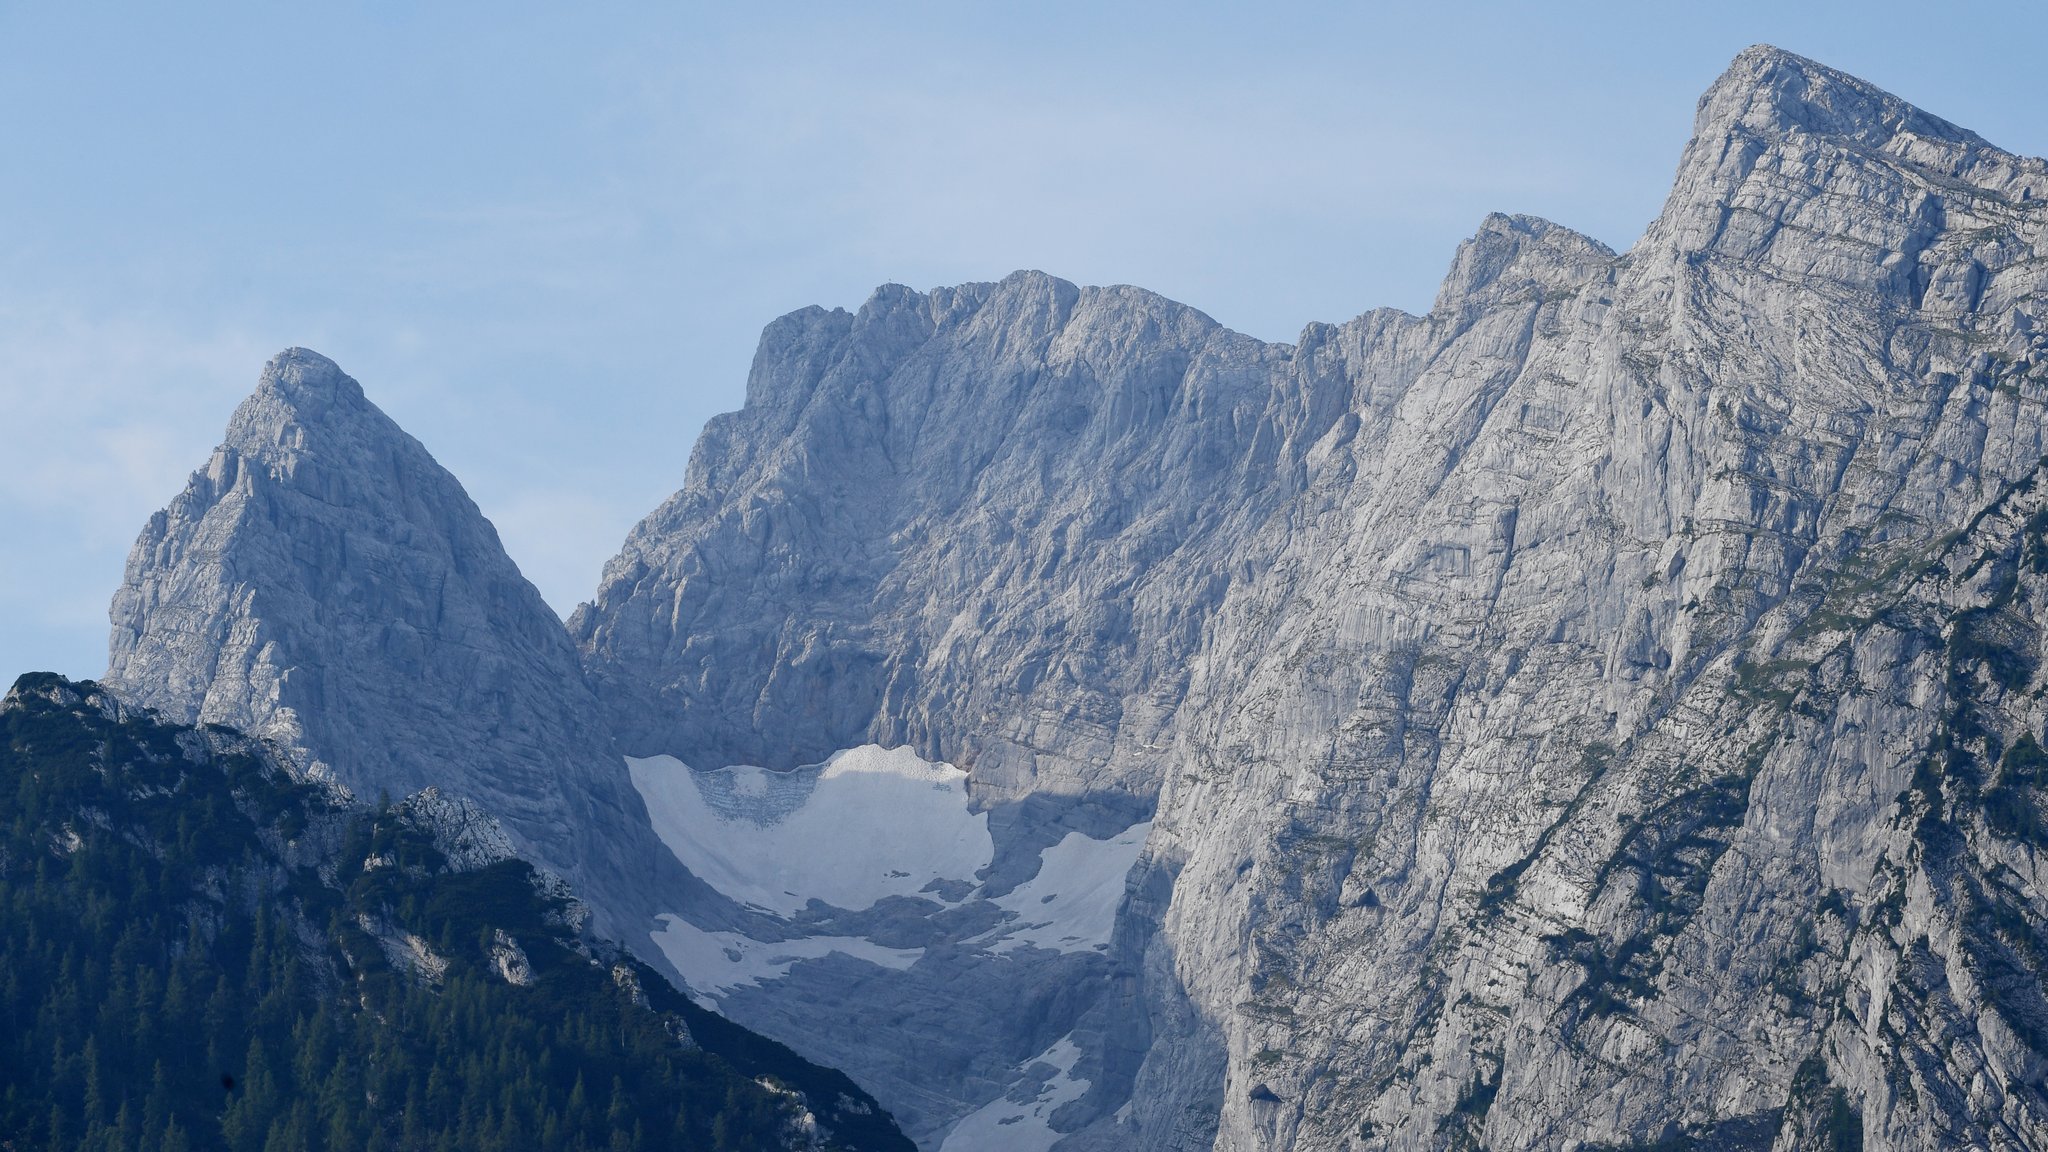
{"x": 304, "y": 399}
{"x": 1028, "y": 305}
{"x": 309, "y": 382}
{"x": 1422, "y": 637}
{"x": 1768, "y": 91}
{"x": 1517, "y": 256}
{"x": 324, "y": 583}
{"x": 1829, "y": 179}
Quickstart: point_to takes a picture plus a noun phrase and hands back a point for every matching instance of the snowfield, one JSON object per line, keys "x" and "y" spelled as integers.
{"x": 1007, "y": 1124}
{"x": 718, "y": 962}
{"x": 1070, "y": 906}
{"x": 867, "y": 824}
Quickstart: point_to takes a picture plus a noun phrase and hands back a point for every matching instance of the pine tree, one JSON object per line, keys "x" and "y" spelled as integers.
{"x": 128, "y": 1127}
{"x": 615, "y": 1113}
{"x": 95, "y": 1110}
{"x": 156, "y": 1107}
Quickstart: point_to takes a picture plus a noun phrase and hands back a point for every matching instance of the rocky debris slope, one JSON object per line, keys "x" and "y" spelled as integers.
{"x": 322, "y": 582}
{"x": 1437, "y": 642}
{"x": 881, "y": 927}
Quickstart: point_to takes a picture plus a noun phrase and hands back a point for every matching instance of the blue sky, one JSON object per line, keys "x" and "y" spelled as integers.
{"x": 545, "y": 237}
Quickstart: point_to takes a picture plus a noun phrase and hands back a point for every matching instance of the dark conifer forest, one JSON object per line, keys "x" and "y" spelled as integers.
{"x": 199, "y": 952}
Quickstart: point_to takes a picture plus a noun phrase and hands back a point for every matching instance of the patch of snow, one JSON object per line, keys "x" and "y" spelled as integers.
{"x": 866, "y": 824}
{"x": 715, "y": 963}
{"x": 1070, "y": 906}
{"x": 1007, "y": 1125}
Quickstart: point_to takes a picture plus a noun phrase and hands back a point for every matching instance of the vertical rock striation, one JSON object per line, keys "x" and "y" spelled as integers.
{"x": 1452, "y": 651}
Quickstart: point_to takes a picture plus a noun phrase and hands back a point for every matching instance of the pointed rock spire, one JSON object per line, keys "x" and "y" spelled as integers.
{"x": 1818, "y": 174}
{"x": 1768, "y": 91}
{"x": 324, "y": 583}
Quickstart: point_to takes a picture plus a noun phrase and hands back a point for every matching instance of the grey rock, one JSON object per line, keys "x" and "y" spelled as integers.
{"x": 1592, "y": 714}
{"x": 323, "y": 583}
{"x": 509, "y": 960}
{"x": 1449, "y": 650}
{"x": 987, "y": 502}
{"x": 470, "y": 838}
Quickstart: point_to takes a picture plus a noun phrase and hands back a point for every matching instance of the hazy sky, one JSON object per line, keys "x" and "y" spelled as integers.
{"x": 545, "y": 237}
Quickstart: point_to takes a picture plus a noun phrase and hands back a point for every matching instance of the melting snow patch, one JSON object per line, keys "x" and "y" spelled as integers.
{"x": 1070, "y": 906}
{"x": 1006, "y": 1125}
{"x": 866, "y": 824}
{"x": 715, "y": 963}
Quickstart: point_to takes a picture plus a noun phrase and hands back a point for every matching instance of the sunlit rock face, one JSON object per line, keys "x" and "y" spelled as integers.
{"x": 1602, "y": 712}
{"x": 1470, "y": 666}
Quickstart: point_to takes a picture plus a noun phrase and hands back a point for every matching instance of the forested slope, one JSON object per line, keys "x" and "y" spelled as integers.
{"x": 198, "y": 951}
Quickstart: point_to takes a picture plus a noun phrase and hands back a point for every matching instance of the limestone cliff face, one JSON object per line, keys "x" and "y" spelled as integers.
{"x": 323, "y": 583}
{"x": 1512, "y": 704}
{"x": 1451, "y": 649}
{"x": 987, "y": 522}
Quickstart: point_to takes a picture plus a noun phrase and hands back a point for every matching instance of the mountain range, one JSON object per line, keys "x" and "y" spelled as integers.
{"x": 1603, "y": 712}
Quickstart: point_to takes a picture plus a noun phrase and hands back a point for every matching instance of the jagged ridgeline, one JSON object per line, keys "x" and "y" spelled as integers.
{"x": 1605, "y": 711}
{"x": 198, "y": 951}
